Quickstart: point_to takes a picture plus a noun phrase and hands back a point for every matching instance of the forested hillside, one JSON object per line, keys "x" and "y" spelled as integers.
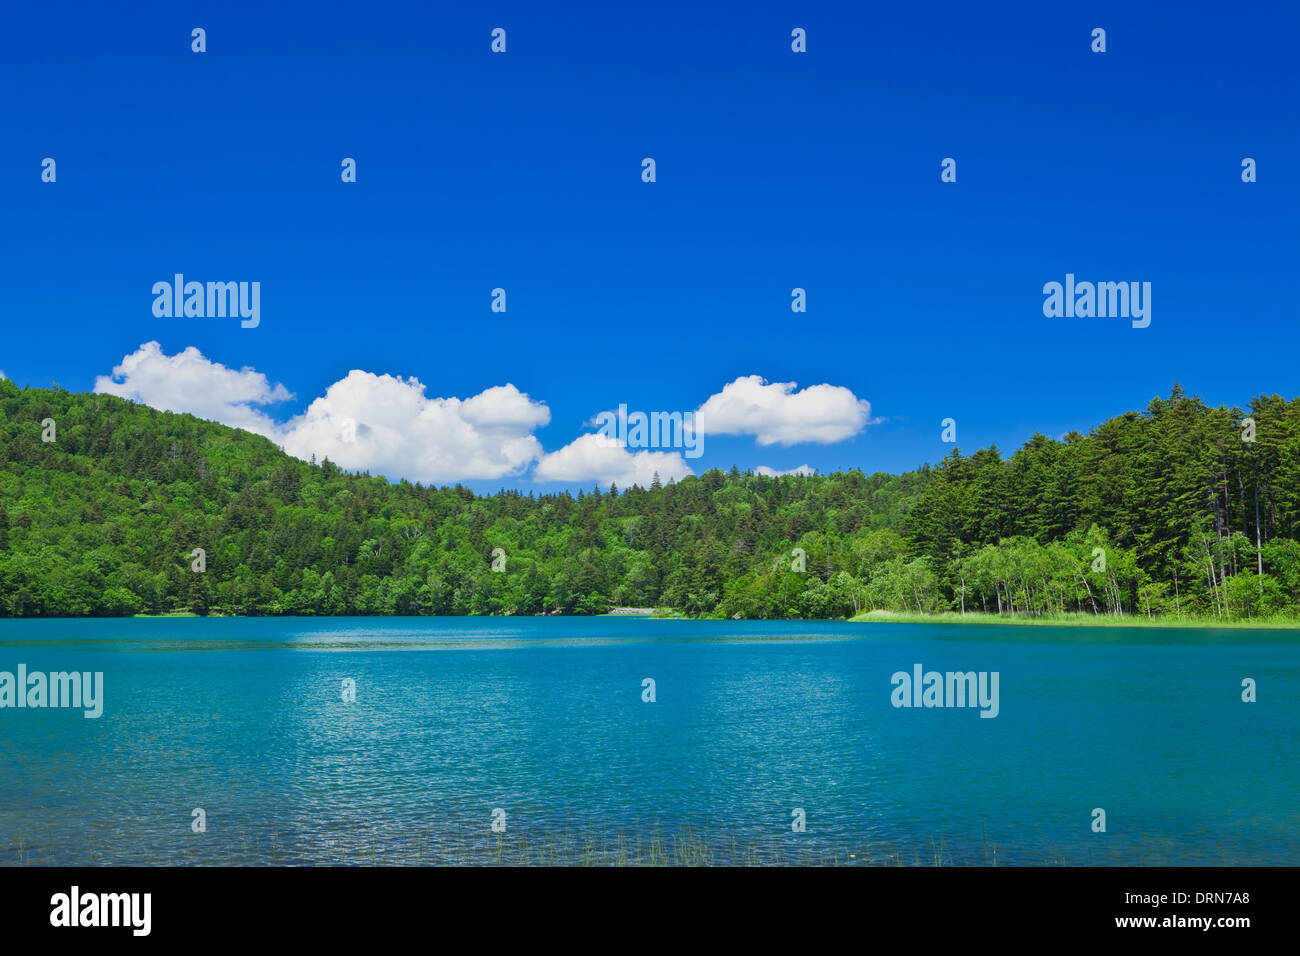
{"x": 1167, "y": 511}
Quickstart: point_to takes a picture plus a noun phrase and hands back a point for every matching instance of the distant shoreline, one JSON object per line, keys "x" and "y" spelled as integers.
{"x": 866, "y": 617}
{"x": 1075, "y": 620}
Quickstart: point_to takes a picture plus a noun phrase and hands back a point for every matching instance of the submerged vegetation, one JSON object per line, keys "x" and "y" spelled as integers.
{"x": 686, "y": 847}
{"x": 1181, "y": 511}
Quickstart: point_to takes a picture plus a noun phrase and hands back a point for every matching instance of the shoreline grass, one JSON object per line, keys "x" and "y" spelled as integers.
{"x": 1076, "y": 620}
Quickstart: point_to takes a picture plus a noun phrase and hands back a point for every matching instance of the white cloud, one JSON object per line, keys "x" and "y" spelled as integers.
{"x": 594, "y": 458}
{"x": 387, "y": 425}
{"x": 188, "y": 382}
{"x": 776, "y": 414}
{"x": 377, "y": 423}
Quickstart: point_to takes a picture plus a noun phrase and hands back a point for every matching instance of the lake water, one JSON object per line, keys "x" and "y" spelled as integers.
{"x": 543, "y": 718}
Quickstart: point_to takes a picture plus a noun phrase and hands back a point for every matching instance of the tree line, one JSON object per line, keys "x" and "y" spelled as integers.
{"x": 1179, "y": 510}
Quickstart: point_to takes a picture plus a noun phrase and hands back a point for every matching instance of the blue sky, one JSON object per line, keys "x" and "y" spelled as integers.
{"x": 775, "y": 170}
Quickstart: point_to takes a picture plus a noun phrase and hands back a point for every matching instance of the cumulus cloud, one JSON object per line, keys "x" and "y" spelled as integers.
{"x": 775, "y": 414}
{"x": 379, "y": 423}
{"x": 595, "y": 458}
{"x": 188, "y": 382}
{"x": 387, "y": 425}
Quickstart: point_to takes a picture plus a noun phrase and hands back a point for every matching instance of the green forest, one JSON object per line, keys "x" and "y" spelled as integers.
{"x": 1178, "y": 511}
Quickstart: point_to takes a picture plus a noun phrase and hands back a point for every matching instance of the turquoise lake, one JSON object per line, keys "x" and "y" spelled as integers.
{"x": 543, "y": 719}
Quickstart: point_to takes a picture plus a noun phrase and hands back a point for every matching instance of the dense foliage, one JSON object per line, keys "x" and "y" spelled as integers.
{"x": 1168, "y": 511}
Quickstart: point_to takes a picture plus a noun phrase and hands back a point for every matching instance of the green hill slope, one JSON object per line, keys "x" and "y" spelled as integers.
{"x": 104, "y": 520}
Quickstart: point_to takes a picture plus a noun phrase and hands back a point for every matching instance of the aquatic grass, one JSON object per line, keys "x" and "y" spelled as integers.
{"x": 690, "y": 847}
